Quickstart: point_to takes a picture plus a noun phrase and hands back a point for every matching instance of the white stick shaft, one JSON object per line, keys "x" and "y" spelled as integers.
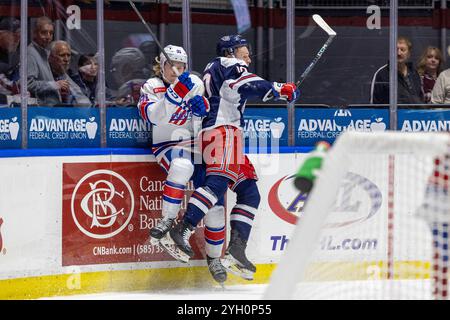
{"x": 331, "y": 34}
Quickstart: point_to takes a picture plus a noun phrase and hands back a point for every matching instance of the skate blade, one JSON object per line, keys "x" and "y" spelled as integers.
{"x": 232, "y": 266}
{"x": 154, "y": 241}
{"x": 171, "y": 248}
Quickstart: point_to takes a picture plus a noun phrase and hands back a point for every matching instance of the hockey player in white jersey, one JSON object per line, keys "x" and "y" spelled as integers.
{"x": 168, "y": 102}
{"x": 228, "y": 85}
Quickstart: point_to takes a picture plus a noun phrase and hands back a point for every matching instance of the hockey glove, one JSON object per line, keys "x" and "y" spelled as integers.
{"x": 285, "y": 91}
{"x": 199, "y": 106}
{"x": 177, "y": 91}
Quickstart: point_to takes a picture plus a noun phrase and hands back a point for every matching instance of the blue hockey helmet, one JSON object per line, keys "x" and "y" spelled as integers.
{"x": 227, "y": 44}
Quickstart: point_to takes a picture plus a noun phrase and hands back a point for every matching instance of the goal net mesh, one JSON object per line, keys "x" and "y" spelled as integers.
{"x": 375, "y": 225}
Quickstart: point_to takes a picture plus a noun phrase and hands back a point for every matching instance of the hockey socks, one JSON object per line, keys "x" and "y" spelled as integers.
{"x": 173, "y": 195}
{"x": 204, "y": 198}
{"x": 214, "y": 231}
{"x": 241, "y": 219}
{"x": 247, "y": 203}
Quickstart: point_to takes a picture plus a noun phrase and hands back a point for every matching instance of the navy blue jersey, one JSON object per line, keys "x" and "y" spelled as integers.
{"x": 228, "y": 85}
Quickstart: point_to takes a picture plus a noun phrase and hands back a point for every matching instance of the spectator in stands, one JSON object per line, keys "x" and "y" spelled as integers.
{"x": 409, "y": 85}
{"x": 86, "y": 78}
{"x": 40, "y": 82}
{"x": 128, "y": 69}
{"x": 148, "y": 49}
{"x": 429, "y": 67}
{"x": 441, "y": 89}
{"x": 9, "y": 58}
{"x": 69, "y": 92}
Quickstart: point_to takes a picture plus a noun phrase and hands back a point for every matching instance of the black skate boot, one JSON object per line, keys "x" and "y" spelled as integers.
{"x": 235, "y": 259}
{"x": 217, "y": 270}
{"x": 160, "y": 230}
{"x": 180, "y": 235}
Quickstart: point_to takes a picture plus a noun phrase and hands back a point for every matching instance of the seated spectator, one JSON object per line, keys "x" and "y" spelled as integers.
{"x": 86, "y": 78}
{"x": 429, "y": 67}
{"x": 441, "y": 89}
{"x": 128, "y": 69}
{"x": 409, "y": 85}
{"x": 148, "y": 49}
{"x": 9, "y": 58}
{"x": 40, "y": 81}
{"x": 69, "y": 92}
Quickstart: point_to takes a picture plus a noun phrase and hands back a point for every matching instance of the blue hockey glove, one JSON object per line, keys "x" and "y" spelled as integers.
{"x": 199, "y": 106}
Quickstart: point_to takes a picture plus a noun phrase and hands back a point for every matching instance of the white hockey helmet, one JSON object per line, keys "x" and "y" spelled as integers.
{"x": 175, "y": 53}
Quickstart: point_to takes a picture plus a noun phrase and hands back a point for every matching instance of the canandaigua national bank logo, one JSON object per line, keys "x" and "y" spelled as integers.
{"x": 107, "y": 210}
{"x": 359, "y": 199}
{"x": 102, "y": 204}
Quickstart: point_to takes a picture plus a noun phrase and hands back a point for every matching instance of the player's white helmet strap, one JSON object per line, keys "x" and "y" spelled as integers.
{"x": 176, "y": 54}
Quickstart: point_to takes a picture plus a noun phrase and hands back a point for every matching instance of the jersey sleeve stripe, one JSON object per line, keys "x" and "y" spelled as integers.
{"x": 143, "y": 109}
{"x": 249, "y": 76}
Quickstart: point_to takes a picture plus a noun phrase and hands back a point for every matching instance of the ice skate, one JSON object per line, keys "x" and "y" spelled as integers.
{"x": 160, "y": 230}
{"x": 235, "y": 260}
{"x": 217, "y": 270}
{"x": 180, "y": 235}
{"x": 171, "y": 248}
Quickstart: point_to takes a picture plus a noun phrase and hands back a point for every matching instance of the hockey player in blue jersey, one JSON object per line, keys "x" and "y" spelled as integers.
{"x": 228, "y": 85}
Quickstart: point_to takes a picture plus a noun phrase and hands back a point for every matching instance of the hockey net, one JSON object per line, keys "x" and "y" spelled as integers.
{"x": 375, "y": 225}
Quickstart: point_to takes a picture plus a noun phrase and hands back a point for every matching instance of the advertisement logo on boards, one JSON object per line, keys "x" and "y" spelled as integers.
{"x": 343, "y": 121}
{"x": 358, "y": 199}
{"x": 263, "y": 127}
{"x": 329, "y": 127}
{"x": 129, "y": 128}
{"x": 277, "y": 128}
{"x": 102, "y": 204}
{"x": 125, "y": 128}
{"x": 108, "y": 209}
{"x": 9, "y": 129}
{"x": 43, "y": 128}
{"x": 91, "y": 128}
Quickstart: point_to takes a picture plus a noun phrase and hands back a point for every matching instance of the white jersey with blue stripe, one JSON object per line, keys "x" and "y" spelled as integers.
{"x": 172, "y": 124}
{"x": 229, "y": 85}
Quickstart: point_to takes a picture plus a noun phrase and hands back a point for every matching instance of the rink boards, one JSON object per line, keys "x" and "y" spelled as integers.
{"x": 79, "y": 224}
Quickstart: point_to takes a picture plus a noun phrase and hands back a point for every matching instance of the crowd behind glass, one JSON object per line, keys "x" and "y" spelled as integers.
{"x": 60, "y": 74}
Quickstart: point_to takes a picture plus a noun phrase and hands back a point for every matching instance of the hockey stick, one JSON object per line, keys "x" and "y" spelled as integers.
{"x": 331, "y": 34}
{"x": 154, "y": 37}
{"x": 196, "y": 120}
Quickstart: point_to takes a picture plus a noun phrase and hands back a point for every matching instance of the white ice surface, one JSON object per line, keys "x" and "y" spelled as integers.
{"x": 234, "y": 292}
{"x": 350, "y": 290}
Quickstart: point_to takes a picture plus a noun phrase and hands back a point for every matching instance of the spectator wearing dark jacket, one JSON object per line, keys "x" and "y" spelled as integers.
{"x": 86, "y": 77}
{"x": 409, "y": 83}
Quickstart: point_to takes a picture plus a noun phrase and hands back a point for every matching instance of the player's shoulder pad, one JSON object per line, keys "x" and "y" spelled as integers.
{"x": 153, "y": 86}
